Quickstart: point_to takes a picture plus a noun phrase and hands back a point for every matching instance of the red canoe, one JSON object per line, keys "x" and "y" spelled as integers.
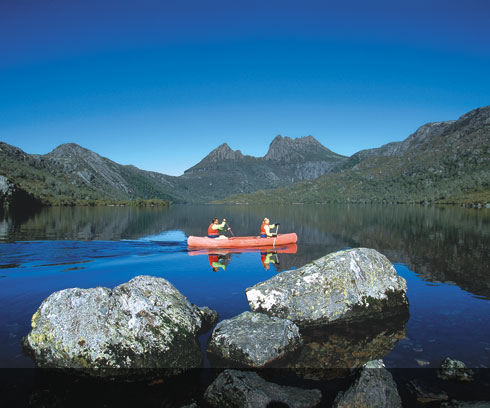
{"x": 241, "y": 242}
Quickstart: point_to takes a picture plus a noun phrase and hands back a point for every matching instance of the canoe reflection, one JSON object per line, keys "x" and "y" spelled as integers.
{"x": 219, "y": 259}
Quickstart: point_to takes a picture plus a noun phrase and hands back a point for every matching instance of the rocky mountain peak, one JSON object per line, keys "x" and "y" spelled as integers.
{"x": 287, "y": 149}
{"x": 67, "y": 149}
{"x": 223, "y": 152}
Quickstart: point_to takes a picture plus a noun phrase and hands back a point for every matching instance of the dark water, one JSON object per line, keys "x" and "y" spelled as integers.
{"x": 443, "y": 253}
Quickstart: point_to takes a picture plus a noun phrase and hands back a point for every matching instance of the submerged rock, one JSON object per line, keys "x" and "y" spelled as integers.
{"x": 342, "y": 286}
{"x": 374, "y": 387}
{"x": 144, "y": 323}
{"x": 245, "y": 389}
{"x": 254, "y": 339}
{"x": 455, "y": 370}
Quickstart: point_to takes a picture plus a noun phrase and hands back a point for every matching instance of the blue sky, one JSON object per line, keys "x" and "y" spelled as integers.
{"x": 159, "y": 85}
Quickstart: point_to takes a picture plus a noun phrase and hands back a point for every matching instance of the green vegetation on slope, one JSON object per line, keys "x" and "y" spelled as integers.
{"x": 440, "y": 163}
{"x": 51, "y": 186}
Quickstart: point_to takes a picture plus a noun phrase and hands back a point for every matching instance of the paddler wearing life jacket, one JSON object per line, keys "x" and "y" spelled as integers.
{"x": 265, "y": 228}
{"x": 215, "y": 228}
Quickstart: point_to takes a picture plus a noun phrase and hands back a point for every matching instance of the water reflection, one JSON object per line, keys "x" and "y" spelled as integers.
{"x": 334, "y": 351}
{"x": 441, "y": 244}
{"x": 217, "y": 261}
{"x": 220, "y": 259}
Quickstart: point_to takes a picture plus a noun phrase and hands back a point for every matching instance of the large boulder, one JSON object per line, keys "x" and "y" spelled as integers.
{"x": 342, "y": 286}
{"x": 246, "y": 389}
{"x": 254, "y": 339}
{"x": 374, "y": 387}
{"x": 144, "y": 323}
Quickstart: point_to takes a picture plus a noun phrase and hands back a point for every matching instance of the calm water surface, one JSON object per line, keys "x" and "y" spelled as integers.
{"x": 443, "y": 253}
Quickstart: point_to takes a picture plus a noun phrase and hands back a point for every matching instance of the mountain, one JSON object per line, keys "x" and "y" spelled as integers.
{"x": 73, "y": 174}
{"x": 446, "y": 162}
{"x": 440, "y": 162}
{"x": 225, "y": 171}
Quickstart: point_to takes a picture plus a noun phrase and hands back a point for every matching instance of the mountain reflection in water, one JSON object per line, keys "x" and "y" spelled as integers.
{"x": 441, "y": 244}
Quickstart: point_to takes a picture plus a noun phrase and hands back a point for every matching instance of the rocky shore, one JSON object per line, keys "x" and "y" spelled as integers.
{"x": 329, "y": 321}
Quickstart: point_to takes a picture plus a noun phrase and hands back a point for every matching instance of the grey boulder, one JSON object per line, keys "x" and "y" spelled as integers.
{"x": 246, "y": 389}
{"x": 144, "y": 323}
{"x": 455, "y": 370}
{"x": 347, "y": 285}
{"x": 254, "y": 339}
{"x": 374, "y": 388}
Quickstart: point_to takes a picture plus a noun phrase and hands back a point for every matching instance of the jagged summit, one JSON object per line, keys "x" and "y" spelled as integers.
{"x": 301, "y": 148}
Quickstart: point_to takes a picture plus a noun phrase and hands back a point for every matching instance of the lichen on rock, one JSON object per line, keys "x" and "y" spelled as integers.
{"x": 144, "y": 323}
{"x": 254, "y": 339}
{"x": 342, "y": 286}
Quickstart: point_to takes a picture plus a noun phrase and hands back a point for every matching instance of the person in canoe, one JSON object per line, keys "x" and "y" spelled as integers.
{"x": 215, "y": 228}
{"x": 265, "y": 228}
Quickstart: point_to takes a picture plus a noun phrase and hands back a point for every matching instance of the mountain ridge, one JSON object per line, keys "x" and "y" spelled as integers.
{"x": 446, "y": 162}
{"x": 451, "y": 158}
{"x": 80, "y": 174}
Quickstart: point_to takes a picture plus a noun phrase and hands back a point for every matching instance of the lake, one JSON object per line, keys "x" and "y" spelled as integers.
{"x": 442, "y": 252}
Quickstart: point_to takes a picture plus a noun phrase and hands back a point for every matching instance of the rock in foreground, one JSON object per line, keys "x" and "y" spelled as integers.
{"x": 144, "y": 323}
{"x": 245, "y": 389}
{"x": 254, "y": 339}
{"x": 342, "y": 286}
{"x": 374, "y": 387}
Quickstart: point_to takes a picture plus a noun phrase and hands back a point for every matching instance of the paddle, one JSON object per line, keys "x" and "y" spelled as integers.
{"x": 274, "y": 243}
{"x": 230, "y": 230}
